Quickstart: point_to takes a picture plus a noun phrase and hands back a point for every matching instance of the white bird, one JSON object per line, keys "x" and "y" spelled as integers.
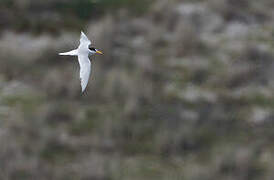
{"x": 83, "y": 52}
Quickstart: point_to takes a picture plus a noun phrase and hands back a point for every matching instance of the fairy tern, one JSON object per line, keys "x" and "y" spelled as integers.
{"x": 84, "y": 50}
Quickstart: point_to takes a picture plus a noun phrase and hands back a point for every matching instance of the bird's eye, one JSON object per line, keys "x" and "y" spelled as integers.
{"x": 92, "y": 48}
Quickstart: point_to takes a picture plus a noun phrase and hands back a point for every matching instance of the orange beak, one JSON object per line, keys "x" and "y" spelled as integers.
{"x": 99, "y": 52}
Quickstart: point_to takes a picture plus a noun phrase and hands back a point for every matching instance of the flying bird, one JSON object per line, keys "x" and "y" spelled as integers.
{"x": 84, "y": 50}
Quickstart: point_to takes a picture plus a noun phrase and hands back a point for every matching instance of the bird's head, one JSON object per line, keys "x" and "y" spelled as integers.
{"x": 93, "y": 50}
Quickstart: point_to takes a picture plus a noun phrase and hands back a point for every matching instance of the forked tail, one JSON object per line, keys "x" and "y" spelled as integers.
{"x": 70, "y": 53}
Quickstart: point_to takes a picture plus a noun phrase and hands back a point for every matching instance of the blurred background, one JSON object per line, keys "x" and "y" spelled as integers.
{"x": 184, "y": 91}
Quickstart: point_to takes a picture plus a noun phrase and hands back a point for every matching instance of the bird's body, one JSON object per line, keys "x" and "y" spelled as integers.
{"x": 83, "y": 52}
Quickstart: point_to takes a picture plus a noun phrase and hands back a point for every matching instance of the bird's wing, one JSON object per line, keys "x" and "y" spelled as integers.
{"x": 84, "y": 41}
{"x": 85, "y": 68}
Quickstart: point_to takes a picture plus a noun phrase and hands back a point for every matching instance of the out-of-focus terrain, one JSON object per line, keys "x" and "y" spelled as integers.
{"x": 185, "y": 90}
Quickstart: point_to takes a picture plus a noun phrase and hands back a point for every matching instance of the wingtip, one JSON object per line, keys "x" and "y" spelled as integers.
{"x": 83, "y": 89}
{"x": 82, "y": 33}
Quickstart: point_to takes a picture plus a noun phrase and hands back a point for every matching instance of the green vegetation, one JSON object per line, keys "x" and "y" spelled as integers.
{"x": 71, "y": 14}
{"x": 184, "y": 90}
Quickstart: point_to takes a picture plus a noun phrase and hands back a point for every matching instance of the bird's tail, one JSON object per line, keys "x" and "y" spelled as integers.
{"x": 70, "y": 53}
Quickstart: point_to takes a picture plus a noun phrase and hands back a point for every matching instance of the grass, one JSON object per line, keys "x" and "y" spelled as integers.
{"x": 72, "y": 14}
{"x": 57, "y": 152}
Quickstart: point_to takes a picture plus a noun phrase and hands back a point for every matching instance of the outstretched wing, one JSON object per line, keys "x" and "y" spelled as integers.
{"x": 84, "y": 41}
{"x": 85, "y": 68}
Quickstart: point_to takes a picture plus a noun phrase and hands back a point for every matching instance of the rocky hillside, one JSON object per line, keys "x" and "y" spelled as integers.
{"x": 185, "y": 90}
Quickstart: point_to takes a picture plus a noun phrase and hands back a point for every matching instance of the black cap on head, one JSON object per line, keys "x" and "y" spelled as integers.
{"x": 92, "y": 48}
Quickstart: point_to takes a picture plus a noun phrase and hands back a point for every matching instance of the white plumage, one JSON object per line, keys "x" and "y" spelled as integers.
{"x": 85, "y": 68}
{"x": 83, "y": 51}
